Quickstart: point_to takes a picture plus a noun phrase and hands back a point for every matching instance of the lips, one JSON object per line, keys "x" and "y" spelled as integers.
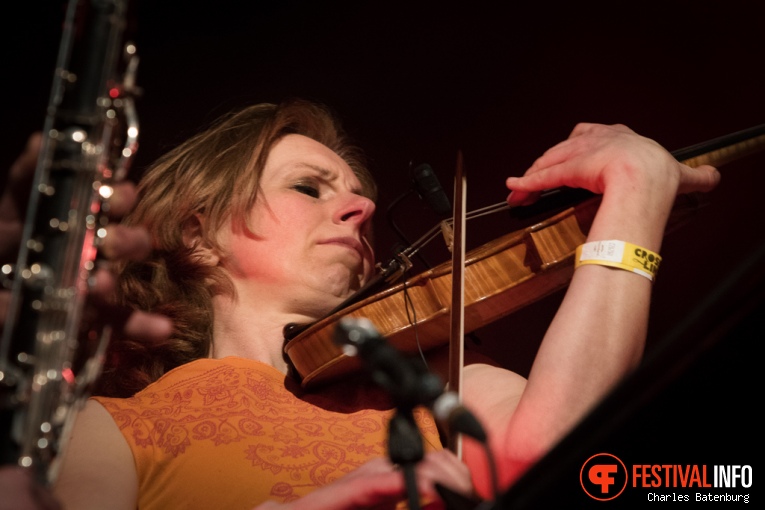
{"x": 350, "y": 242}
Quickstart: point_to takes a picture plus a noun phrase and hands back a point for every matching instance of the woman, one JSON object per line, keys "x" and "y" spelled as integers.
{"x": 263, "y": 220}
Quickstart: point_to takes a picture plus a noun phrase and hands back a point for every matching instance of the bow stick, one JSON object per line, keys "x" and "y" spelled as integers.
{"x": 457, "y": 332}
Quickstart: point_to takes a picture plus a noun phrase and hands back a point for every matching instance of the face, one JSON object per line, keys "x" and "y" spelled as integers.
{"x": 308, "y": 249}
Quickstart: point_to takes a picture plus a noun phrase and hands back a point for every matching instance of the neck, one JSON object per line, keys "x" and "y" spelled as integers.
{"x": 250, "y": 332}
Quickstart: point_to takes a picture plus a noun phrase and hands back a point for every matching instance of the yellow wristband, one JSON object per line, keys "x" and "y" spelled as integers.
{"x": 620, "y": 254}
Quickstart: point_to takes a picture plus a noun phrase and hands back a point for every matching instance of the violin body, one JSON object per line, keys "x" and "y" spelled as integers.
{"x": 500, "y": 278}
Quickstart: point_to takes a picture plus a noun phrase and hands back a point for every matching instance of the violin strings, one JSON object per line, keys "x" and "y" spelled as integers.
{"x": 411, "y": 312}
{"x": 433, "y": 232}
{"x": 490, "y": 209}
{"x": 476, "y": 213}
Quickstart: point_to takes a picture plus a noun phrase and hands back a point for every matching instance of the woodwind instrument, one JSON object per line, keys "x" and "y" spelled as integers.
{"x": 47, "y": 364}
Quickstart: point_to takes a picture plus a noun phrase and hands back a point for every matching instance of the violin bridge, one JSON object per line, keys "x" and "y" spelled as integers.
{"x": 447, "y": 230}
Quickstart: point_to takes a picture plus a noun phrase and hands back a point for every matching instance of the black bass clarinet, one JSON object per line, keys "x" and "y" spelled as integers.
{"x": 47, "y": 365}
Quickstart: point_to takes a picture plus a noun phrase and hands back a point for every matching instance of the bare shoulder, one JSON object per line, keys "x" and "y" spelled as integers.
{"x": 482, "y": 377}
{"x": 491, "y": 391}
{"x": 98, "y": 469}
{"x": 438, "y": 360}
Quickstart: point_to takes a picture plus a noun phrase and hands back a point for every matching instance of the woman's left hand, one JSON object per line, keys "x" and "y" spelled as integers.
{"x": 597, "y": 157}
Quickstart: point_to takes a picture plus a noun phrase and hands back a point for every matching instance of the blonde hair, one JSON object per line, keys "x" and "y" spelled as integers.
{"x": 211, "y": 178}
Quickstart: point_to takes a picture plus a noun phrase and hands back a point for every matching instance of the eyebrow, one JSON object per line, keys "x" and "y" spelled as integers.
{"x": 330, "y": 176}
{"x": 324, "y": 172}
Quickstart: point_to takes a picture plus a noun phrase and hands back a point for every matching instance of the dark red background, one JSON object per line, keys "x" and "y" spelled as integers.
{"x": 418, "y": 81}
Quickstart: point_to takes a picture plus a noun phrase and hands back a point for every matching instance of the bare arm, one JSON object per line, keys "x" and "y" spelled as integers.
{"x": 598, "y": 334}
{"x": 98, "y": 470}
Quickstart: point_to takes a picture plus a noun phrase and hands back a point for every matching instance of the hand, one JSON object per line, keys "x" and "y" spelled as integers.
{"x": 20, "y": 492}
{"x": 120, "y": 243}
{"x": 380, "y": 485}
{"x": 596, "y": 157}
{"x": 13, "y": 202}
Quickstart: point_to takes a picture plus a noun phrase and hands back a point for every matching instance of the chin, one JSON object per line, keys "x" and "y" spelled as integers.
{"x": 325, "y": 301}
{"x": 342, "y": 285}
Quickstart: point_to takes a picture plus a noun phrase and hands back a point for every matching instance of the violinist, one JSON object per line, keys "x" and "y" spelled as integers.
{"x": 264, "y": 219}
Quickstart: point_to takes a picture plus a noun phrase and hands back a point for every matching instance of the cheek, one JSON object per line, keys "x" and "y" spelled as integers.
{"x": 275, "y": 252}
{"x": 251, "y": 257}
{"x": 255, "y": 252}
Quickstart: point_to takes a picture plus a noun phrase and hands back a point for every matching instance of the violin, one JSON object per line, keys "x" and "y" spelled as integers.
{"x": 500, "y": 277}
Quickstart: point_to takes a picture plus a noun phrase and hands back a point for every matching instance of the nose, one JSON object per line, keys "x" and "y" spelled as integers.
{"x": 355, "y": 209}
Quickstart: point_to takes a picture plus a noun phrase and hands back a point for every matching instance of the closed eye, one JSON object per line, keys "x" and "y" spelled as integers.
{"x": 307, "y": 189}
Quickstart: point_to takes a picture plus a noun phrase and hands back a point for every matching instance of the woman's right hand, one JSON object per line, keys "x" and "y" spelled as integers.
{"x": 378, "y": 484}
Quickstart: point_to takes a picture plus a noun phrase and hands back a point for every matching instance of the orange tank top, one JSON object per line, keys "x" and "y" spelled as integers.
{"x": 232, "y": 433}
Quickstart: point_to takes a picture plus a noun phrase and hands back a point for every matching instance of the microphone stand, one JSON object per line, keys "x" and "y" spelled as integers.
{"x": 405, "y": 449}
{"x": 408, "y": 386}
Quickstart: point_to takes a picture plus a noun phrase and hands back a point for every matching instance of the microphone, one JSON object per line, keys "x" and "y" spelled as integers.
{"x": 405, "y": 381}
{"x": 429, "y": 188}
{"x": 448, "y": 410}
{"x": 409, "y": 384}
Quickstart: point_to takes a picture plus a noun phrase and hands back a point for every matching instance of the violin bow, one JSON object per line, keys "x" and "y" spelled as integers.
{"x": 457, "y": 331}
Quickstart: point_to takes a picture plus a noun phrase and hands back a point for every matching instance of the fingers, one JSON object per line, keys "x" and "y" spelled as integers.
{"x": 148, "y": 326}
{"x": 120, "y": 243}
{"x": 125, "y": 243}
{"x": 596, "y": 157}
{"x": 444, "y": 468}
{"x": 122, "y": 200}
{"x": 380, "y": 484}
{"x": 5, "y": 299}
{"x": 13, "y": 202}
{"x": 10, "y": 237}
{"x": 556, "y": 166}
{"x": 24, "y": 166}
{"x": 702, "y": 178}
{"x": 524, "y": 190}
{"x": 125, "y": 321}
